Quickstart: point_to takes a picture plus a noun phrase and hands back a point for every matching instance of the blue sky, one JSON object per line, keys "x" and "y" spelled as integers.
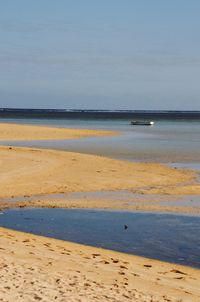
{"x": 108, "y": 54}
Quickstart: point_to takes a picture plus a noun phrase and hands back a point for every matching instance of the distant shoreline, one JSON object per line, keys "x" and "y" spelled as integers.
{"x": 98, "y": 114}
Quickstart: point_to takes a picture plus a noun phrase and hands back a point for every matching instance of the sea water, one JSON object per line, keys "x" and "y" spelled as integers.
{"x": 168, "y": 141}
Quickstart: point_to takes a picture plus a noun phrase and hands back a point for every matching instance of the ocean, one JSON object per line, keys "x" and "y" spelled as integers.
{"x": 174, "y": 138}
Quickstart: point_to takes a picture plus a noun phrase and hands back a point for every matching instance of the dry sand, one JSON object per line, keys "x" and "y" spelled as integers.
{"x": 27, "y": 171}
{"x": 34, "y": 268}
{"x": 29, "y": 132}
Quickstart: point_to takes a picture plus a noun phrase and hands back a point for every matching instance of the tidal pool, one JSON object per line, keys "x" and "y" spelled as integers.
{"x": 167, "y": 237}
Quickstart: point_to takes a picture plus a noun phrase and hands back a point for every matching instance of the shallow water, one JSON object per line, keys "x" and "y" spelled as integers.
{"x": 167, "y": 141}
{"x": 165, "y": 237}
{"x": 185, "y": 201}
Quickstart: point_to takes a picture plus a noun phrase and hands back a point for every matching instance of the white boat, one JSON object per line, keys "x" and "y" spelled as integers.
{"x": 142, "y": 123}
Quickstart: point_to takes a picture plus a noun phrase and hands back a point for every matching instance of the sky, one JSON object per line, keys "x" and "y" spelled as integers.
{"x": 108, "y": 54}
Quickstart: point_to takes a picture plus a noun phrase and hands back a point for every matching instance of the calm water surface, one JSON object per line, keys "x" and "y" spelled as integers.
{"x": 167, "y": 141}
{"x": 172, "y": 238}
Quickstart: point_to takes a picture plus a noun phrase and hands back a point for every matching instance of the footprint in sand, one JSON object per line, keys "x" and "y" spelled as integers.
{"x": 135, "y": 275}
{"x": 179, "y": 278}
{"x": 69, "y": 251}
{"x": 47, "y": 244}
{"x": 147, "y": 265}
{"x": 114, "y": 260}
{"x": 96, "y": 255}
{"x": 26, "y": 240}
{"x": 64, "y": 253}
{"x": 177, "y": 272}
{"x": 105, "y": 262}
{"x": 123, "y": 267}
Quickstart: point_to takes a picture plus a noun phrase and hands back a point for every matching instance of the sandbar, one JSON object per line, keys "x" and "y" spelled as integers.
{"x": 28, "y": 171}
{"x": 138, "y": 204}
{"x": 12, "y": 132}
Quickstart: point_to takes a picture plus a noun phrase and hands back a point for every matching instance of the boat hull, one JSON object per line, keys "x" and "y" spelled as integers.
{"x": 140, "y": 123}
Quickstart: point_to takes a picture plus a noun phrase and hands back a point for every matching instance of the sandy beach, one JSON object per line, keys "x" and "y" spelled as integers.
{"x": 34, "y": 268}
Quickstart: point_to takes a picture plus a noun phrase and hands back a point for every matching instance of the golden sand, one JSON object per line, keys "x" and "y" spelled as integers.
{"x": 34, "y": 268}
{"x": 29, "y": 132}
{"x": 27, "y": 171}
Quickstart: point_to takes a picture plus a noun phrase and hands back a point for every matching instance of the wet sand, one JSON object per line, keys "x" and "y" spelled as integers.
{"x": 139, "y": 203}
{"x": 34, "y": 268}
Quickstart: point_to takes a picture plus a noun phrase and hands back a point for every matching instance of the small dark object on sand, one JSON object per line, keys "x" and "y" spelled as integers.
{"x": 125, "y": 227}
